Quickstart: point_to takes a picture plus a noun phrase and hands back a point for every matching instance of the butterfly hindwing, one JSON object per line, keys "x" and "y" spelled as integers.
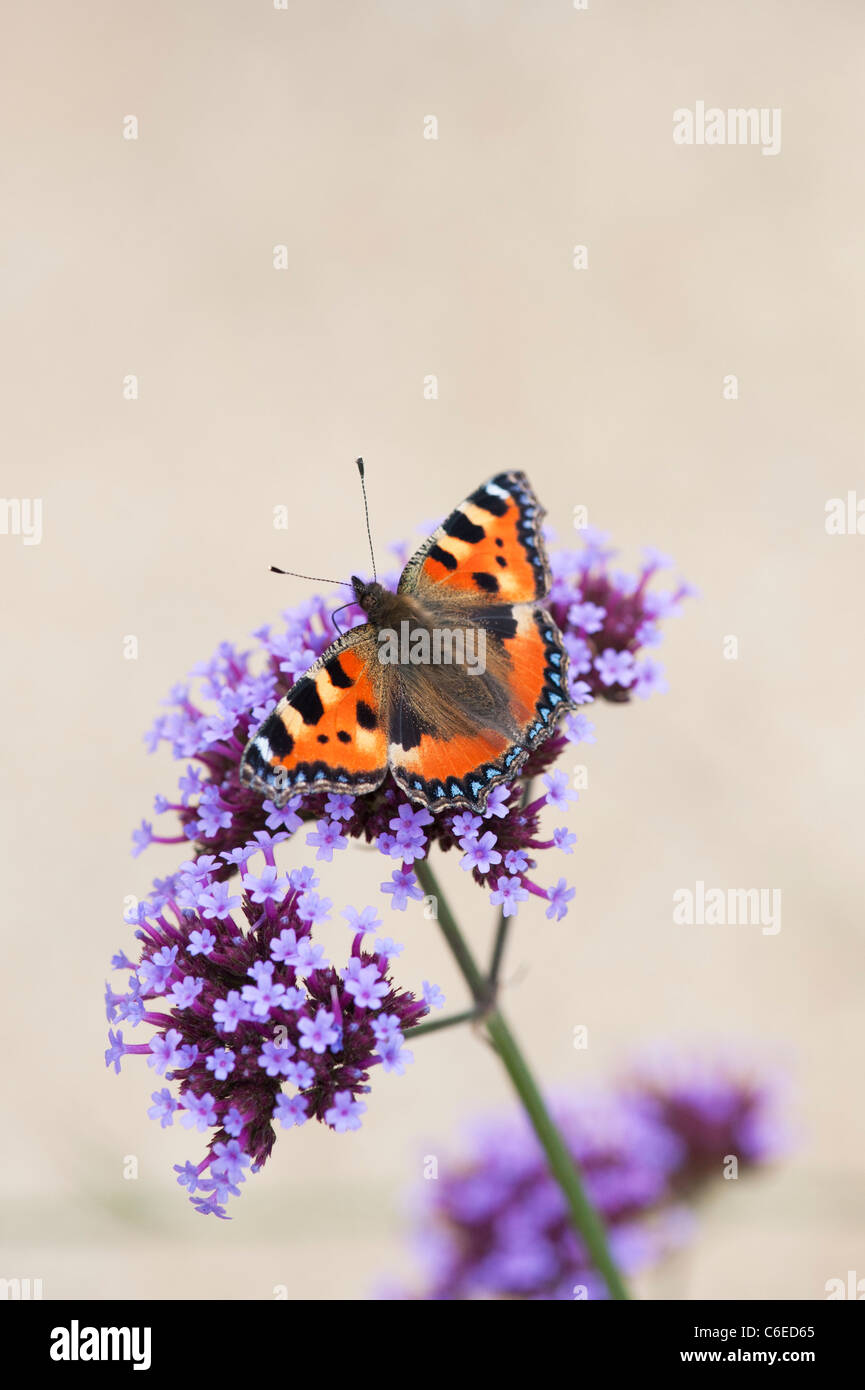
{"x": 452, "y": 756}
{"x": 489, "y": 548}
{"x": 328, "y": 733}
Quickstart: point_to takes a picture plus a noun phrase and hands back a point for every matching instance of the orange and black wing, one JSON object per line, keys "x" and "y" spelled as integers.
{"x": 453, "y": 758}
{"x": 491, "y": 548}
{"x": 329, "y": 733}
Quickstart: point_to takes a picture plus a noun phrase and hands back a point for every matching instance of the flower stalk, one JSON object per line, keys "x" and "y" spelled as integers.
{"x": 586, "y": 1220}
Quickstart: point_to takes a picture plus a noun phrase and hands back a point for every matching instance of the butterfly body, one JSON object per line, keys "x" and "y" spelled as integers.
{"x": 449, "y": 685}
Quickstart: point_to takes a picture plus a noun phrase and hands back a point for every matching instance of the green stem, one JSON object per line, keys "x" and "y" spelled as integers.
{"x": 436, "y": 1024}
{"x": 586, "y": 1220}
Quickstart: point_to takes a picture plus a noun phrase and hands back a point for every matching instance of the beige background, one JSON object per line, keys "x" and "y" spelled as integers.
{"x": 258, "y": 387}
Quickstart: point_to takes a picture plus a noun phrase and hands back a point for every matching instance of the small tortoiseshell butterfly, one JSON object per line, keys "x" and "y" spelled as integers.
{"x": 447, "y": 731}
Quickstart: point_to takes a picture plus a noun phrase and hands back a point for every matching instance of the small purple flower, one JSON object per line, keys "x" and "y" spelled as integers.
{"x": 267, "y": 886}
{"x": 200, "y": 1111}
{"x": 386, "y": 946}
{"x": 481, "y": 854}
{"x": 559, "y": 897}
{"x": 319, "y": 1033}
{"x": 466, "y": 825}
{"x": 367, "y": 920}
{"x": 498, "y": 802}
{"x": 313, "y": 909}
{"x": 141, "y": 838}
{"x": 615, "y": 668}
{"x": 650, "y": 680}
{"x": 283, "y": 817}
{"x": 395, "y": 1057}
{"x": 163, "y": 1107}
{"x": 229, "y": 1012}
{"x": 290, "y": 1110}
{"x": 300, "y": 1074}
{"x": 232, "y": 1122}
{"x": 559, "y": 793}
{"x": 230, "y": 1161}
{"x": 212, "y": 816}
{"x": 166, "y": 1051}
{"x": 403, "y": 885}
{"x": 276, "y": 1058}
{"x": 202, "y": 942}
{"x": 217, "y": 901}
{"x": 115, "y": 1051}
{"x": 266, "y": 993}
{"x": 433, "y": 996}
{"x": 188, "y": 1175}
{"x": 409, "y": 840}
{"x": 588, "y": 617}
{"x": 507, "y": 895}
{"x": 345, "y": 1112}
{"x": 185, "y": 992}
{"x": 367, "y": 986}
{"x": 327, "y": 837}
{"x": 579, "y": 729}
{"x": 221, "y": 1063}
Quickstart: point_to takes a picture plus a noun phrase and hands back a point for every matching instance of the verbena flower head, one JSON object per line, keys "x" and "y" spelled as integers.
{"x": 495, "y": 1223}
{"x": 720, "y": 1107}
{"x": 253, "y": 1025}
{"x": 609, "y": 621}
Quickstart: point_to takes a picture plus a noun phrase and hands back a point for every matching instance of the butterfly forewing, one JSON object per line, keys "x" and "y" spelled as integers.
{"x": 491, "y": 547}
{"x": 328, "y": 733}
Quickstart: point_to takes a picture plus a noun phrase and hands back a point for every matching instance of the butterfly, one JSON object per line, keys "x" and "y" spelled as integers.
{"x": 448, "y": 686}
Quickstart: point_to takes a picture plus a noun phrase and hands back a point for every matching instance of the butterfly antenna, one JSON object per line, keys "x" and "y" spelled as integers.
{"x": 316, "y": 579}
{"x": 366, "y": 515}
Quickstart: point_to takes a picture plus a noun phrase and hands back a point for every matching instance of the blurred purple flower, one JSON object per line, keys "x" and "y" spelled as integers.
{"x": 495, "y": 1224}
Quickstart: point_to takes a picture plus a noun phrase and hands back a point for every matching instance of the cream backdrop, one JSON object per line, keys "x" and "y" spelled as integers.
{"x": 409, "y": 257}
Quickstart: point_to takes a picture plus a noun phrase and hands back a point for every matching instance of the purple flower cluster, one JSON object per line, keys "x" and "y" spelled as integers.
{"x": 496, "y": 1224}
{"x": 607, "y": 619}
{"x": 713, "y": 1110}
{"x": 245, "y": 1005}
{"x": 249, "y": 1004}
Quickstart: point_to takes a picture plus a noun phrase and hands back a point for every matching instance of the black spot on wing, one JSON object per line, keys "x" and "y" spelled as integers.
{"x": 459, "y": 526}
{"x": 366, "y": 717}
{"x": 343, "y": 736}
{"x": 254, "y": 760}
{"x": 490, "y": 501}
{"x": 485, "y": 581}
{"x": 406, "y": 727}
{"x": 277, "y": 735}
{"x": 337, "y": 674}
{"x": 305, "y": 699}
{"x": 444, "y": 557}
{"x": 498, "y": 620}
{"x": 500, "y": 560}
